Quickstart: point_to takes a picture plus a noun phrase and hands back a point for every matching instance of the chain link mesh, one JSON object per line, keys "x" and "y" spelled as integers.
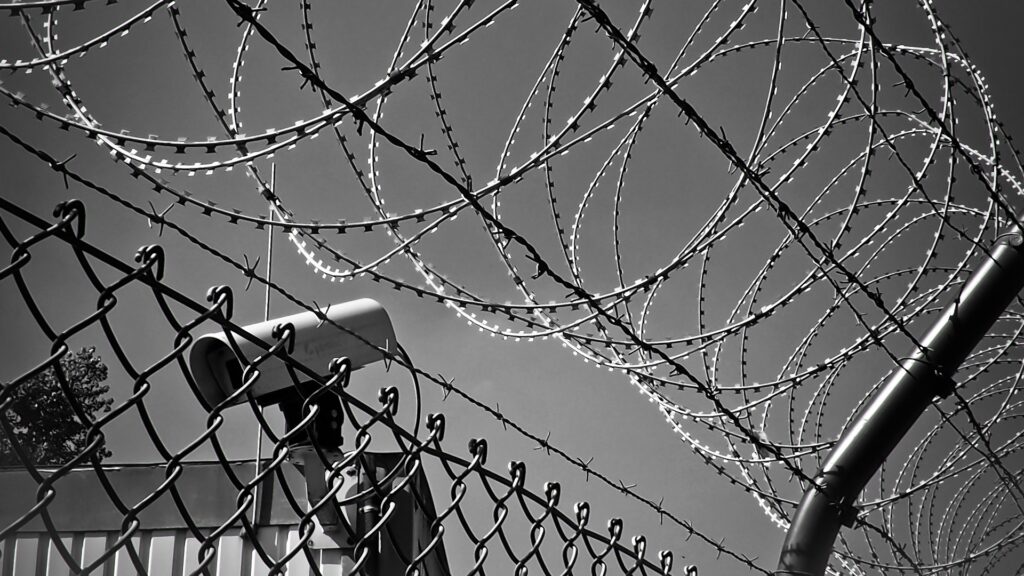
{"x": 506, "y": 525}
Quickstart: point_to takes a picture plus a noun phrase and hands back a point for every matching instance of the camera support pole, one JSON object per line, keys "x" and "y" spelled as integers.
{"x": 925, "y": 375}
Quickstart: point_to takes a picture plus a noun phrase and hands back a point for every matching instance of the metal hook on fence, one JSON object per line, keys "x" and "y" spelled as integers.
{"x": 150, "y": 256}
{"x": 72, "y": 211}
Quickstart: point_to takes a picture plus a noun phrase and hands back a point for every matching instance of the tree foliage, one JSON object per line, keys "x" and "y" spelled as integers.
{"x": 42, "y": 419}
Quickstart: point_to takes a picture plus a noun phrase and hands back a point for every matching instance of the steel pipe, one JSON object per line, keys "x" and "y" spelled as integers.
{"x": 927, "y": 373}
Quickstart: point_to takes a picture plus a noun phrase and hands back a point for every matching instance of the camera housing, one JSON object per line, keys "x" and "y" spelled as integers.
{"x": 218, "y": 372}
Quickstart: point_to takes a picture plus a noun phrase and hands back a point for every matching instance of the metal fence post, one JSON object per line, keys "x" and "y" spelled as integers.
{"x": 927, "y": 373}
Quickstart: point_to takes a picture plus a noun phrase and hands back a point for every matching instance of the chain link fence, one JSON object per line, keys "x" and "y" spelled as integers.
{"x": 487, "y": 515}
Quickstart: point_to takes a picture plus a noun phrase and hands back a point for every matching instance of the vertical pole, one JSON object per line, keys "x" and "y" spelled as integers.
{"x": 270, "y": 241}
{"x": 370, "y": 512}
{"x": 911, "y": 388}
{"x": 266, "y": 317}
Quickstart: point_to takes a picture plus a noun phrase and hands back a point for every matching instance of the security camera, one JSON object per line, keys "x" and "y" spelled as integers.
{"x": 367, "y": 336}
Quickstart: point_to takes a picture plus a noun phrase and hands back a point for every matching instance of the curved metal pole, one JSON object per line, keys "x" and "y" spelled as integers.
{"x": 927, "y": 373}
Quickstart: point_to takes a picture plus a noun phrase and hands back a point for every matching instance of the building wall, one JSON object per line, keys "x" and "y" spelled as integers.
{"x": 163, "y": 553}
{"x": 89, "y": 522}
